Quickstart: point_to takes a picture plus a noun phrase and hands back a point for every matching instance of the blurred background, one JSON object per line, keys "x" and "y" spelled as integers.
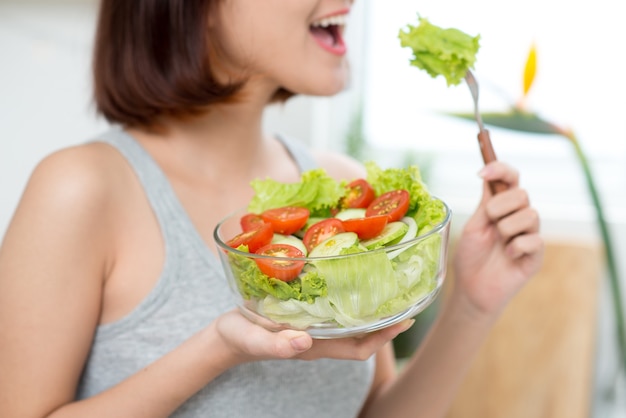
{"x": 397, "y": 114}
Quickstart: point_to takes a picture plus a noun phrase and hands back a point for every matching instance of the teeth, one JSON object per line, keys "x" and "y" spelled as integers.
{"x": 328, "y": 21}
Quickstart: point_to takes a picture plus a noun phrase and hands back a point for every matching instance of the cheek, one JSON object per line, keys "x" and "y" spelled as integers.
{"x": 307, "y": 69}
{"x": 260, "y": 52}
{"x": 242, "y": 38}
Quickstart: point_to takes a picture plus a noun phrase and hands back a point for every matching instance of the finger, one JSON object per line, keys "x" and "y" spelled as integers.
{"x": 356, "y": 348}
{"x": 283, "y": 344}
{"x": 290, "y": 343}
{"x": 495, "y": 170}
{"x": 498, "y": 170}
{"x": 254, "y": 342}
{"x": 506, "y": 203}
{"x": 525, "y": 245}
{"x": 523, "y": 221}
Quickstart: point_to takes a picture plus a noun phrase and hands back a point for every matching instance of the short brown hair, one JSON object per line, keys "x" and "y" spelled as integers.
{"x": 154, "y": 58}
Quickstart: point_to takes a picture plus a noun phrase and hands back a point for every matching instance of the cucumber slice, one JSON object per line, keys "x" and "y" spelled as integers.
{"x": 351, "y": 213}
{"x": 392, "y": 234}
{"x": 290, "y": 240}
{"x": 309, "y": 222}
{"x": 410, "y": 234}
{"x": 333, "y": 245}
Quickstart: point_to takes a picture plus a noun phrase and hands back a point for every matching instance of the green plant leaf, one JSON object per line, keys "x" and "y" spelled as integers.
{"x": 515, "y": 120}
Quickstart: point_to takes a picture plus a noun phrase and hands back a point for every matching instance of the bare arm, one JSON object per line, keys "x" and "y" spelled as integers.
{"x": 52, "y": 263}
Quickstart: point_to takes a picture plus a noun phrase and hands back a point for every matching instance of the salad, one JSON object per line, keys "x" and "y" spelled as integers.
{"x": 323, "y": 253}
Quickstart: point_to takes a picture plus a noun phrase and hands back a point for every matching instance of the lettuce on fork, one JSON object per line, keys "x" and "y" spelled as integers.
{"x": 447, "y": 52}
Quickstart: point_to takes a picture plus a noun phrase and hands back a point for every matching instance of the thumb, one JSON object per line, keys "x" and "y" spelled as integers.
{"x": 289, "y": 343}
{"x": 256, "y": 342}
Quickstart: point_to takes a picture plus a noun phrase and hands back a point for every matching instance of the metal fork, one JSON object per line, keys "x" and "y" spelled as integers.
{"x": 486, "y": 148}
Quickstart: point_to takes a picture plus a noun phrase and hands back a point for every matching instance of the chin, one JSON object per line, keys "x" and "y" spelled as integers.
{"x": 330, "y": 84}
{"x": 315, "y": 79}
{"x": 328, "y": 91}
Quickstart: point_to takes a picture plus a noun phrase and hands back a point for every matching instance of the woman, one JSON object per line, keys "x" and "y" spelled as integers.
{"x": 112, "y": 302}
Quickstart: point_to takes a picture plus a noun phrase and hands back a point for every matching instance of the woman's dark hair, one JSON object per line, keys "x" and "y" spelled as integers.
{"x": 155, "y": 58}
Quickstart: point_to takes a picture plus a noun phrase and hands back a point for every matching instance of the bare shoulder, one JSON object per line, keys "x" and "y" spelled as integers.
{"x": 339, "y": 166}
{"x": 75, "y": 174}
{"x": 69, "y": 194}
{"x": 76, "y": 166}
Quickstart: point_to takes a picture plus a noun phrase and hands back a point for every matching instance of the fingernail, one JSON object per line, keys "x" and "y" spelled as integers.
{"x": 408, "y": 323}
{"x": 484, "y": 172}
{"x": 300, "y": 343}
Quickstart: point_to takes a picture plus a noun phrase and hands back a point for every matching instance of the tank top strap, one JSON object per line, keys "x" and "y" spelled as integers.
{"x": 168, "y": 214}
{"x": 155, "y": 184}
{"x": 299, "y": 152}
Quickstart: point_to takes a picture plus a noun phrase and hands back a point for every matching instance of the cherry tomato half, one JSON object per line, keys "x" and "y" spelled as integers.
{"x": 286, "y": 220}
{"x": 251, "y": 221}
{"x": 367, "y": 227}
{"x": 394, "y": 204}
{"x": 359, "y": 194}
{"x": 254, "y": 239}
{"x": 283, "y": 266}
{"x": 321, "y": 231}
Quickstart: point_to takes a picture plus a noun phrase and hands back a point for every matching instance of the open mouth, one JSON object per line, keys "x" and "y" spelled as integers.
{"x": 328, "y": 32}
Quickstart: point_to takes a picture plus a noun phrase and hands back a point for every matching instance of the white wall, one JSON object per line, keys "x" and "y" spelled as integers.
{"x": 44, "y": 87}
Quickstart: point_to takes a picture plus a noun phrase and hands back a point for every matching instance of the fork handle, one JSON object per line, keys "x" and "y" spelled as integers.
{"x": 489, "y": 155}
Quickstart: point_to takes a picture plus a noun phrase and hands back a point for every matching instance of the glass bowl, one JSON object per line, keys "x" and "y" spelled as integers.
{"x": 342, "y": 295}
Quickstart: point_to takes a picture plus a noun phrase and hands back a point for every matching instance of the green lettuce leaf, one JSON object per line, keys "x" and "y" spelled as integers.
{"x": 312, "y": 286}
{"x": 446, "y": 52}
{"x": 297, "y": 313}
{"x": 423, "y": 207}
{"x": 359, "y": 284}
{"x": 409, "y": 179}
{"x": 316, "y": 191}
{"x": 417, "y": 274}
{"x": 252, "y": 283}
{"x": 430, "y": 213}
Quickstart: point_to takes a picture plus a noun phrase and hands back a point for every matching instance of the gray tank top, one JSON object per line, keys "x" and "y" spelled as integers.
{"x": 189, "y": 294}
